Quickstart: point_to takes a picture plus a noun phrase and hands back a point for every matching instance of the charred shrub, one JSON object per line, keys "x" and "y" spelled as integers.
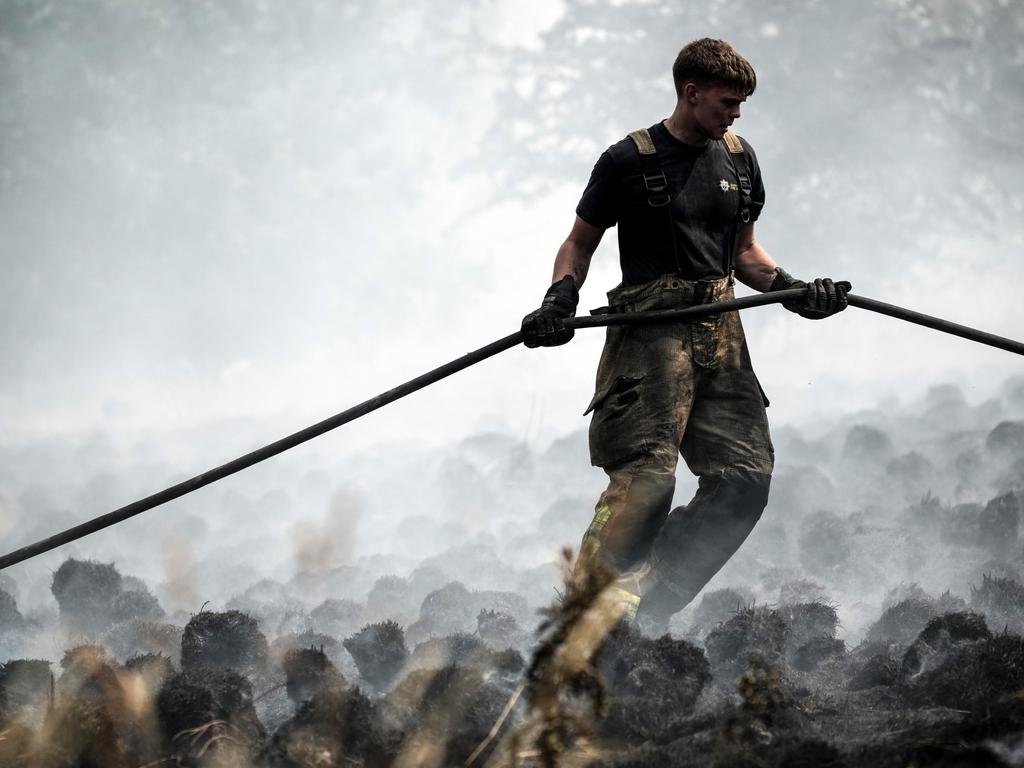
{"x": 136, "y": 637}
{"x": 136, "y": 605}
{"x": 913, "y": 471}
{"x": 959, "y": 526}
{"x": 757, "y": 630}
{"x": 454, "y": 704}
{"x": 999, "y": 525}
{"x": 229, "y": 640}
{"x": 809, "y": 655}
{"x": 25, "y": 684}
{"x": 869, "y": 445}
{"x": 89, "y": 673}
{"x": 497, "y": 629}
{"x": 1006, "y": 439}
{"x": 501, "y": 601}
{"x": 1001, "y": 600}
{"x": 338, "y": 618}
{"x": 811, "y": 637}
{"x": 445, "y": 611}
{"x": 85, "y": 592}
{"x": 308, "y": 671}
{"x": 379, "y": 652}
{"x": 719, "y": 605}
{"x": 973, "y": 674}
{"x": 747, "y": 733}
{"x": 652, "y": 683}
{"x": 210, "y": 711}
{"x": 902, "y": 622}
{"x": 336, "y": 727}
{"x": 938, "y": 638}
{"x": 464, "y": 650}
{"x": 880, "y": 669}
{"x": 153, "y": 669}
{"x": 81, "y": 732}
{"x": 332, "y": 648}
{"x": 807, "y": 621}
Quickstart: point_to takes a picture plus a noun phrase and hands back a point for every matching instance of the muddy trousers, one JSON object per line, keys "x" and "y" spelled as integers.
{"x": 664, "y": 558}
{"x": 663, "y": 391}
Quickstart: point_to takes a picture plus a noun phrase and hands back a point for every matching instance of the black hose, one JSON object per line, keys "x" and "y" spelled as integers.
{"x": 472, "y": 358}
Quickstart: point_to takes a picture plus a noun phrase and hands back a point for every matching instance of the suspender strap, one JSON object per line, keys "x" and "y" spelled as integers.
{"x": 656, "y": 184}
{"x": 658, "y": 195}
{"x": 654, "y": 177}
{"x": 739, "y": 164}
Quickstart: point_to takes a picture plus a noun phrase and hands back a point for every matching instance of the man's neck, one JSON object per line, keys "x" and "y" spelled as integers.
{"x": 684, "y": 130}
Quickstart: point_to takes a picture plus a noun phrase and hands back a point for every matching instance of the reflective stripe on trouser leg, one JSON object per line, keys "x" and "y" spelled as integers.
{"x": 627, "y": 517}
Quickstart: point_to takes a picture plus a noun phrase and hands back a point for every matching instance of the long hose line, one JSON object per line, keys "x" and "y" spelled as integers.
{"x": 472, "y": 358}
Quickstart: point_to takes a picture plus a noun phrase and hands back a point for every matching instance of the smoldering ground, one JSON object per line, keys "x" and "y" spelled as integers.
{"x": 874, "y": 616}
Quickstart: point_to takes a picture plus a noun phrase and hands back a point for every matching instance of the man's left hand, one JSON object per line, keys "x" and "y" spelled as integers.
{"x": 822, "y": 297}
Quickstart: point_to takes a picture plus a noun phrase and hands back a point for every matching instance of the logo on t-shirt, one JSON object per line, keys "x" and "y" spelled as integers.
{"x": 726, "y": 185}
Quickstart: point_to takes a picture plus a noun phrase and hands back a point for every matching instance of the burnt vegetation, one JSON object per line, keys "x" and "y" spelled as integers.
{"x": 864, "y": 624}
{"x": 875, "y": 624}
{"x": 871, "y": 620}
{"x": 932, "y": 679}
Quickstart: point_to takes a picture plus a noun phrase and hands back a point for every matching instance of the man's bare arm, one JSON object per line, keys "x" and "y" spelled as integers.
{"x": 754, "y": 267}
{"x": 574, "y": 254}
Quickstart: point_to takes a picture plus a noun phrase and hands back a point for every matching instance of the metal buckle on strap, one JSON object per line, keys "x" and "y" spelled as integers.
{"x": 655, "y": 183}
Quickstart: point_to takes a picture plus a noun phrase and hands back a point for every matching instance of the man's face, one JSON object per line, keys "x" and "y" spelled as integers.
{"x": 715, "y": 107}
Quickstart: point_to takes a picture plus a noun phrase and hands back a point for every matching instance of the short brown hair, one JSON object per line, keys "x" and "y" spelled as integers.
{"x": 707, "y": 61}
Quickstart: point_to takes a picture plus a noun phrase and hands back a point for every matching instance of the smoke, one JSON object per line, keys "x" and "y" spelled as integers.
{"x": 181, "y": 589}
{"x": 224, "y": 222}
{"x": 223, "y": 214}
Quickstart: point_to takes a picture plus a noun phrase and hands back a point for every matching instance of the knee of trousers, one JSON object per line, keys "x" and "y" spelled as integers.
{"x": 629, "y": 514}
{"x": 723, "y": 512}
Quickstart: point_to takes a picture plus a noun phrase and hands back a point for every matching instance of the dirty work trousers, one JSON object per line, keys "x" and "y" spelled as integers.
{"x": 663, "y": 390}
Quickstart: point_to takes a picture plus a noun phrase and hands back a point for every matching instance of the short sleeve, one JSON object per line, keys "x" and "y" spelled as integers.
{"x": 601, "y": 200}
{"x": 756, "y": 182}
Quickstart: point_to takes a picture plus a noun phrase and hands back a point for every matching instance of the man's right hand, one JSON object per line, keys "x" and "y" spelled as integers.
{"x": 543, "y": 327}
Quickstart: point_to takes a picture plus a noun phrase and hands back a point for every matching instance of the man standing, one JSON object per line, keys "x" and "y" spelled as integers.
{"x": 685, "y": 194}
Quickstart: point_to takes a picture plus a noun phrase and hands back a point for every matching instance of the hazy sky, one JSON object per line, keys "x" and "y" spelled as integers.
{"x": 254, "y": 216}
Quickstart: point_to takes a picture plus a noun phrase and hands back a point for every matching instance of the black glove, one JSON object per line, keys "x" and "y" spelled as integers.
{"x": 822, "y": 298}
{"x": 543, "y": 327}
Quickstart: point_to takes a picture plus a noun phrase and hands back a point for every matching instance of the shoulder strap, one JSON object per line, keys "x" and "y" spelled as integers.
{"x": 654, "y": 177}
{"x": 732, "y": 141}
{"x": 644, "y": 142}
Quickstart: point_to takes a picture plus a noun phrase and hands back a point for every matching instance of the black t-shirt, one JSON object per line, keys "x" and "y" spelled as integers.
{"x": 691, "y": 236}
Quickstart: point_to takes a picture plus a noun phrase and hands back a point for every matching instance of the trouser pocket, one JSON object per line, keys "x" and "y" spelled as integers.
{"x": 619, "y": 424}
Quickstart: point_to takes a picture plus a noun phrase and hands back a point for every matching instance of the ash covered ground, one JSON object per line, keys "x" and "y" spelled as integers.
{"x": 410, "y": 607}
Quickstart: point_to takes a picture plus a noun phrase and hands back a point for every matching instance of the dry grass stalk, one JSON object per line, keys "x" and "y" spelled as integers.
{"x": 565, "y": 693}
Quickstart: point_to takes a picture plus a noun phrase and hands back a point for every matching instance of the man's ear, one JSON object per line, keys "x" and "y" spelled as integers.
{"x": 690, "y": 93}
